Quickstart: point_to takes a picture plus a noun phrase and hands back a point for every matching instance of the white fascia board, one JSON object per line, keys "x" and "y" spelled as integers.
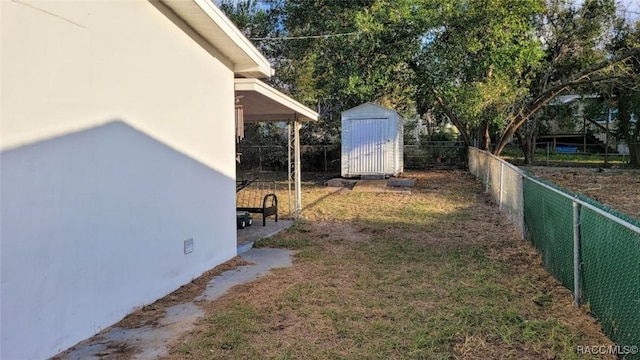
{"x": 217, "y": 29}
{"x": 255, "y": 85}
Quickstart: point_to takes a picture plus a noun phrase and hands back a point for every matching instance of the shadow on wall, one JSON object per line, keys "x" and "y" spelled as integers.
{"x": 95, "y": 224}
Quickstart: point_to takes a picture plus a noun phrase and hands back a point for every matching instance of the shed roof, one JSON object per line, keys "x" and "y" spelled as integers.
{"x": 369, "y": 107}
{"x": 262, "y": 103}
{"x": 218, "y": 30}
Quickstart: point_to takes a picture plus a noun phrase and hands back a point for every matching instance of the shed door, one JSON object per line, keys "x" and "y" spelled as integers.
{"x": 368, "y": 139}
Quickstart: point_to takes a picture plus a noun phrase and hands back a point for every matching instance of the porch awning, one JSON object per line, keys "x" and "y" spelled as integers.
{"x": 262, "y": 103}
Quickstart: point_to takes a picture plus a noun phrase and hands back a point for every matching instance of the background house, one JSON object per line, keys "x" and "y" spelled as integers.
{"x": 571, "y": 127}
{"x": 118, "y": 160}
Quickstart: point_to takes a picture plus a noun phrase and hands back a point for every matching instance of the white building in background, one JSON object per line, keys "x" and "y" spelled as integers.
{"x": 117, "y": 170}
{"x": 578, "y": 129}
{"x": 372, "y": 141}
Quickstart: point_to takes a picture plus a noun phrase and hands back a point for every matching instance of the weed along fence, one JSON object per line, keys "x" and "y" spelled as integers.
{"x": 591, "y": 249}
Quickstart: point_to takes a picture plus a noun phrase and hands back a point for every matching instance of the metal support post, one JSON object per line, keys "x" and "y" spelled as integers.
{"x": 297, "y": 167}
{"x": 290, "y": 164}
{"x": 576, "y": 254}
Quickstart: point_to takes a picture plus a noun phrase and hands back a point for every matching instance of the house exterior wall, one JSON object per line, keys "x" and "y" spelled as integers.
{"x": 372, "y": 141}
{"x": 117, "y": 146}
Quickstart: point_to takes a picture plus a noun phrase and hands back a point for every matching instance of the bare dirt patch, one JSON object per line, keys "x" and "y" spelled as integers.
{"x": 616, "y": 188}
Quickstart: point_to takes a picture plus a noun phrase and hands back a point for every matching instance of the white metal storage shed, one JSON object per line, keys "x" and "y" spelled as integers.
{"x": 372, "y": 141}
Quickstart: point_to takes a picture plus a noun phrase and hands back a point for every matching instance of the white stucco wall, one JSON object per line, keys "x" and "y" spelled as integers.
{"x": 117, "y": 138}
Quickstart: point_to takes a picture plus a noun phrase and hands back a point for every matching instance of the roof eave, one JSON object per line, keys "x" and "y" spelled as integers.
{"x": 296, "y": 109}
{"x": 217, "y": 29}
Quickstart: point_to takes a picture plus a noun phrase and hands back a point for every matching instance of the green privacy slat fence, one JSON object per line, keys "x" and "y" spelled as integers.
{"x": 610, "y": 255}
{"x": 609, "y": 243}
{"x": 548, "y": 219}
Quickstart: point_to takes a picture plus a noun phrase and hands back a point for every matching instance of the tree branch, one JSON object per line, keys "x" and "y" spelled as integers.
{"x": 453, "y": 117}
{"x": 581, "y": 78}
{"x": 546, "y": 96}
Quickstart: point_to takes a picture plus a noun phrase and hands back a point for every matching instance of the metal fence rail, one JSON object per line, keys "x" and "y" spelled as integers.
{"x": 589, "y": 248}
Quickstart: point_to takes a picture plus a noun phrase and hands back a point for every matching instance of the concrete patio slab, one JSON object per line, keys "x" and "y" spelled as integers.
{"x": 249, "y": 235}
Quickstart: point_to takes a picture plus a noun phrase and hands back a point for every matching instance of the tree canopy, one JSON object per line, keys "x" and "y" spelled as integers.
{"x": 488, "y": 65}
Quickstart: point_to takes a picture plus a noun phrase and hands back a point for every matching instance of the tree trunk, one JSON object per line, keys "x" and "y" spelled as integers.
{"x": 528, "y": 147}
{"x": 483, "y": 133}
{"x": 454, "y": 119}
{"x": 634, "y": 146}
{"x": 634, "y": 155}
{"x": 507, "y": 134}
{"x": 630, "y": 130}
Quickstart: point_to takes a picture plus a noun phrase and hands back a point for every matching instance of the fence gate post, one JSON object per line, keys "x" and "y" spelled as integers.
{"x": 576, "y": 253}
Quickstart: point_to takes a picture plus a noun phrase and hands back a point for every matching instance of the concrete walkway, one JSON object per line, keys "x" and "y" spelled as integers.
{"x": 249, "y": 235}
{"x": 150, "y": 341}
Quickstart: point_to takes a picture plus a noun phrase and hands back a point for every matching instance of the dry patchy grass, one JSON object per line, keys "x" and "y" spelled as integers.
{"x": 436, "y": 274}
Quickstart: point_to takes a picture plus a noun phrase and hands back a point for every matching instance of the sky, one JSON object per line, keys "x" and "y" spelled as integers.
{"x": 633, "y": 6}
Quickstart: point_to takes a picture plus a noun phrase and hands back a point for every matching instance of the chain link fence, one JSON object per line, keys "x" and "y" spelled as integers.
{"x": 315, "y": 158}
{"x": 503, "y": 180}
{"x": 610, "y": 270}
{"x": 549, "y": 227}
{"x": 318, "y": 158}
{"x": 589, "y": 248}
{"x": 572, "y": 154}
{"x": 435, "y": 154}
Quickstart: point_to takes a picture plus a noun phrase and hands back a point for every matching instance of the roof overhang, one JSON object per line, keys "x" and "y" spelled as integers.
{"x": 262, "y": 103}
{"x": 218, "y": 30}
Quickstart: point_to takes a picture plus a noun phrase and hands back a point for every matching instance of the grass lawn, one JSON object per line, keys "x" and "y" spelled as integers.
{"x": 435, "y": 274}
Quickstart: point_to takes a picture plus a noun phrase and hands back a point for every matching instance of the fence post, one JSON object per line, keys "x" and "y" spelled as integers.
{"x": 576, "y": 254}
{"x": 523, "y": 233}
{"x": 547, "y": 153}
{"x": 325, "y": 158}
{"x": 473, "y": 153}
{"x": 486, "y": 174}
{"x": 501, "y": 185}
